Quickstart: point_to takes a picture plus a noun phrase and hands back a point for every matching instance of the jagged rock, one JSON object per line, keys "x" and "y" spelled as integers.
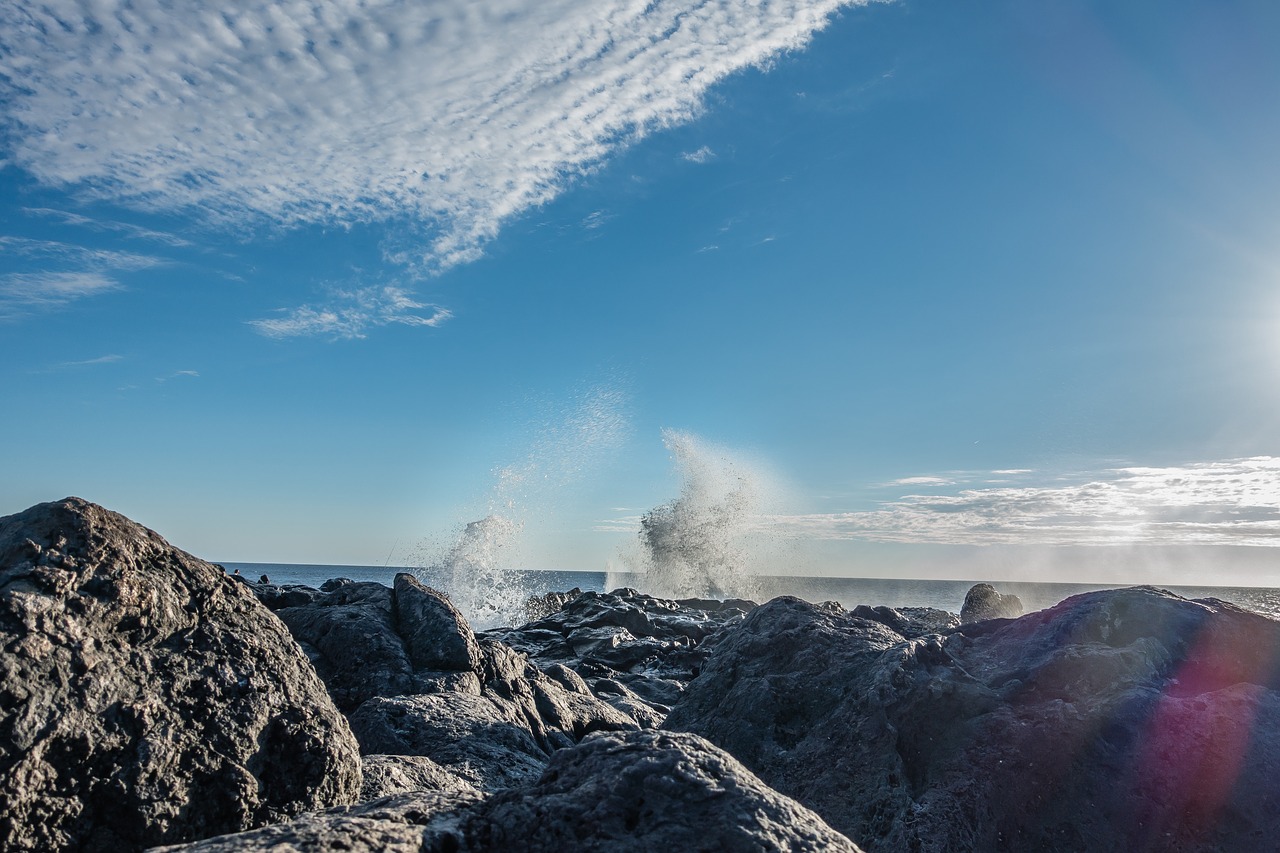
{"x": 653, "y": 645}
{"x": 435, "y": 634}
{"x": 349, "y": 633}
{"x": 406, "y": 823}
{"x": 485, "y": 743}
{"x": 626, "y": 793}
{"x": 1118, "y": 720}
{"x": 982, "y": 601}
{"x": 385, "y": 775}
{"x": 145, "y": 696}
{"x": 910, "y": 622}
{"x": 540, "y": 606}
{"x": 640, "y": 792}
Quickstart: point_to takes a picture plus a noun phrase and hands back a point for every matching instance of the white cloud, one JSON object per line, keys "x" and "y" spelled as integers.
{"x": 351, "y": 313}
{"x": 124, "y": 228}
{"x": 457, "y": 113}
{"x": 702, "y": 155}
{"x": 22, "y": 292}
{"x": 922, "y": 481}
{"x": 1233, "y": 502}
{"x": 68, "y": 254}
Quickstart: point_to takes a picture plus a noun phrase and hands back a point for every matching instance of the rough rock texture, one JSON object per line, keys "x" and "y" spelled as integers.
{"x": 982, "y": 601}
{"x": 407, "y": 823}
{"x": 634, "y": 651}
{"x": 635, "y": 792}
{"x": 1118, "y": 720}
{"x": 414, "y": 679}
{"x": 145, "y": 697}
{"x": 385, "y": 775}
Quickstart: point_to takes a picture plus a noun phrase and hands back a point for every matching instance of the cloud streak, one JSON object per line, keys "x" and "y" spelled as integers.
{"x": 351, "y": 313}
{"x": 458, "y": 114}
{"x": 1232, "y": 502}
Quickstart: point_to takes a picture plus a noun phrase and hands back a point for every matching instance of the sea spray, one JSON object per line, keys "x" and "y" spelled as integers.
{"x": 479, "y": 569}
{"x": 698, "y": 544}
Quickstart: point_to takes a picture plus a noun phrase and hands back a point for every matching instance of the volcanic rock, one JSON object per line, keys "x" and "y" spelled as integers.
{"x": 1117, "y": 720}
{"x": 982, "y": 601}
{"x": 626, "y": 793}
{"x": 145, "y": 696}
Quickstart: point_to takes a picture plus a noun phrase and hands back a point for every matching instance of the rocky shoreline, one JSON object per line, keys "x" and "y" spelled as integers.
{"x": 149, "y": 699}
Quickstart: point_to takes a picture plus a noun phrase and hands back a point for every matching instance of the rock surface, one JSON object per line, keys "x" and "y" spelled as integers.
{"x": 1118, "y": 720}
{"x": 632, "y": 650}
{"x": 631, "y": 792}
{"x": 415, "y": 680}
{"x": 145, "y": 697}
{"x": 983, "y": 601}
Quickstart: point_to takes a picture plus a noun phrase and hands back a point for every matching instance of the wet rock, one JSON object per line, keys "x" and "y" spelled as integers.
{"x": 1117, "y": 720}
{"x": 910, "y": 622}
{"x": 982, "y": 601}
{"x": 145, "y": 696}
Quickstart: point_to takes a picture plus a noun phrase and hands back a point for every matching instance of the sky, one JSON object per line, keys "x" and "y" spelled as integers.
{"x": 968, "y": 290}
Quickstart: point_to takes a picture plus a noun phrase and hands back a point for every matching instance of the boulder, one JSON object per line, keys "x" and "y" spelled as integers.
{"x": 982, "y": 601}
{"x": 436, "y": 636}
{"x": 630, "y": 792}
{"x": 145, "y": 696}
{"x": 1117, "y": 720}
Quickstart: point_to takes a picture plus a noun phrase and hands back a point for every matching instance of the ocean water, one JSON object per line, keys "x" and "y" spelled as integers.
{"x": 849, "y": 592}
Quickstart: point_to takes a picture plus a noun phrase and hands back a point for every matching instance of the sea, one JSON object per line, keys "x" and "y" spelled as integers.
{"x": 849, "y": 592}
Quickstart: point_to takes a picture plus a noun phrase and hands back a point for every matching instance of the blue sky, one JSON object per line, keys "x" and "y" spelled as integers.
{"x": 968, "y": 290}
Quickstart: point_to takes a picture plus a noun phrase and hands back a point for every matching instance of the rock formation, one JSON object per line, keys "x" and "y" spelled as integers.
{"x": 416, "y": 681}
{"x": 145, "y": 697}
{"x": 1118, "y": 720}
{"x": 631, "y": 792}
{"x": 982, "y": 601}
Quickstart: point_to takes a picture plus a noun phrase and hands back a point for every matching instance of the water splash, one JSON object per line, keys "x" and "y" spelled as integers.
{"x": 698, "y": 544}
{"x": 480, "y": 570}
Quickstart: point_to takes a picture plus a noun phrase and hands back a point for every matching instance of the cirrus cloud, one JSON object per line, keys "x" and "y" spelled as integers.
{"x": 458, "y": 114}
{"x": 1231, "y": 502}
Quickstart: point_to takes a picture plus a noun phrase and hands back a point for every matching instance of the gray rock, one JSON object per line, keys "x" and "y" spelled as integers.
{"x": 1118, "y": 720}
{"x": 982, "y": 601}
{"x": 350, "y": 634}
{"x": 485, "y": 743}
{"x": 406, "y": 823}
{"x": 385, "y": 775}
{"x": 639, "y": 792}
{"x": 625, "y": 793}
{"x": 435, "y": 634}
{"x": 145, "y": 696}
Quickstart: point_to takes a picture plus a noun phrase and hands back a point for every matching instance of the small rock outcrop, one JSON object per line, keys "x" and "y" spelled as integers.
{"x": 414, "y": 680}
{"x": 146, "y": 697}
{"x": 983, "y": 601}
{"x": 1117, "y": 720}
{"x": 633, "y": 792}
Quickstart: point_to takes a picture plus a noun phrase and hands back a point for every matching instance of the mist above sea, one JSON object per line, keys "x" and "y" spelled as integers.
{"x": 849, "y": 592}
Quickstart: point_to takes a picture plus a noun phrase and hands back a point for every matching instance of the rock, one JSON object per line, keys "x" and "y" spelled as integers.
{"x": 911, "y": 622}
{"x": 639, "y": 792}
{"x": 485, "y": 743}
{"x": 1117, "y": 720}
{"x": 654, "y": 645}
{"x": 145, "y": 696}
{"x": 407, "y": 823}
{"x": 385, "y": 775}
{"x": 350, "y": 634}
{"x": 983, "y": 602}
{"x": 435, "y": 634}
{"x": 626, "y": 793}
